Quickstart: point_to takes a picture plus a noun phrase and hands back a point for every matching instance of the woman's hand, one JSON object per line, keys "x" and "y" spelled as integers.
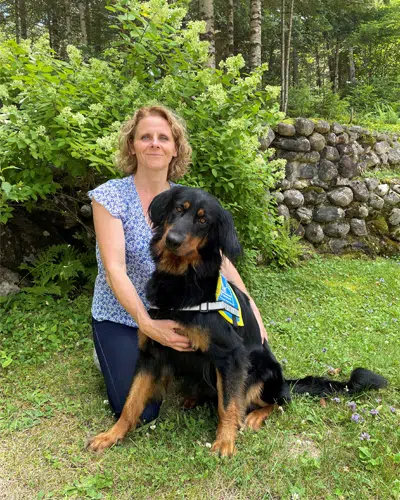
{"x": 163, "y": 332}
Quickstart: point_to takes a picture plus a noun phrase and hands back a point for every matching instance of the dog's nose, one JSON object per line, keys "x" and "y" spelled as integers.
{"x": 174, "y": 240}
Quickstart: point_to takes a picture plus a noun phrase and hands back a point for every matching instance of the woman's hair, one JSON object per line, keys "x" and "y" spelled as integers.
{"x": 127, "y": 162}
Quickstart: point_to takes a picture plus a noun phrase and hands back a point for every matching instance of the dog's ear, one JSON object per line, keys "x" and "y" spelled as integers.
{"x": 160, "y": 206}
{"x": 227, "y": 236}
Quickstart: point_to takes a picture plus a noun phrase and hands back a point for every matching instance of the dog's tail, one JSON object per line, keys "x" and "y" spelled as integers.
{"x": 361, "y": 380}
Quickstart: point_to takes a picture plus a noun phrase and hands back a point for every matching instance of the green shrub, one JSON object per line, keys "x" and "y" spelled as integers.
{"x": 60, "y": 120}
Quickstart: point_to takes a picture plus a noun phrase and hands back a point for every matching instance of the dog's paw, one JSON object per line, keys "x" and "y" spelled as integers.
{"x": 256, "y": 418}
{"x": 224, "y": 448}
{"x": 101, "y": 442}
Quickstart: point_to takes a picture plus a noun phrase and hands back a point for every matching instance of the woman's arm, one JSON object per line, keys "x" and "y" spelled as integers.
{"x": 231, "y": 274}
{"x": 111, "y": 239}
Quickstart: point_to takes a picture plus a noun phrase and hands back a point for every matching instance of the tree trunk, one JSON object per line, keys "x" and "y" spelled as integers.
{"x": 84, "y": 38}
{"x": 295, "y": 66}
{"x": 22, "y": 16}
{"x": 318, "y": 67}
{"x": 352, "y": 68}
{"x": 17, "y": 28}
{"x": 283, "y": 53}
{"x": 206, "y": 9}
{"x": 67, "y": 32}
{"x": 336, "y": 70}
{"x": 287, "y": 58}
{"x": 255, "y": 34}
{"x": 230, "y": 30}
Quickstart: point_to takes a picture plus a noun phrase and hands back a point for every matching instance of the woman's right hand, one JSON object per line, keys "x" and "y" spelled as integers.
{"x": 163, "y": 331}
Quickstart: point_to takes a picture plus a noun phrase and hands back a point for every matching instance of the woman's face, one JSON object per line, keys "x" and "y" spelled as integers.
{"x": 153, "y": 144}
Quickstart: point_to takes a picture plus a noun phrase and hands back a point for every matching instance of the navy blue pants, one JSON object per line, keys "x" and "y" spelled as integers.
{"x": 118, "y": 352}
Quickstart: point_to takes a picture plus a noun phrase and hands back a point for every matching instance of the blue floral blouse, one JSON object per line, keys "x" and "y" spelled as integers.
{"x": 120, "y": 198}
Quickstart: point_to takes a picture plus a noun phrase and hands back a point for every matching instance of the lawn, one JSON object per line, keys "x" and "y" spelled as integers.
{"x": 325, "y": 316}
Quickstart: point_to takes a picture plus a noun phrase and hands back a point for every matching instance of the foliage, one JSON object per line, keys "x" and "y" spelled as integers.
{"x": 59, "y": 270}
{"x": 60, "y": 120}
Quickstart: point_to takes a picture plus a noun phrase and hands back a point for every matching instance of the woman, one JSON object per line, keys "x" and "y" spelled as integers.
{"x": 153, "y": 152}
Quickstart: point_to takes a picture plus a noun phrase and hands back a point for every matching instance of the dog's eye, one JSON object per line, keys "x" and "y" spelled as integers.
{"x": 179, "y": 209}
{"x": 202, "y": 220}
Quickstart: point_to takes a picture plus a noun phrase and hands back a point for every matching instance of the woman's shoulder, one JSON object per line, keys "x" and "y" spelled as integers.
{"x": 114, "y": 194}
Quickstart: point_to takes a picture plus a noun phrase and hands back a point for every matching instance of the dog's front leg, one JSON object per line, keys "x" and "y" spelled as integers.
{"x": 230, "y": 412}
{"x": 142, "y": 390}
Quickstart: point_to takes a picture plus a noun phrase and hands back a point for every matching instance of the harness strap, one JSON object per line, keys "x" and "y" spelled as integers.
{"x": 205, "y": 307}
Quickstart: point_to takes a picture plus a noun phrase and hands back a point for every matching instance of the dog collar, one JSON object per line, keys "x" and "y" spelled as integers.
{"x": 227, "y": 304}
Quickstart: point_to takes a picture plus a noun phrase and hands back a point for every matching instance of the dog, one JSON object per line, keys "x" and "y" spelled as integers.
{"x": 192, "y": 233}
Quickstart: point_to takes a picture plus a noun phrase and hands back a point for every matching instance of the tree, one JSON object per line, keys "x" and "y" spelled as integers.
{"x": 206, "y": 11}
{"x": 255, "y": 34}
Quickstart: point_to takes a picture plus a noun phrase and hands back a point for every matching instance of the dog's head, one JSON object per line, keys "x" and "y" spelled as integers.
{"x": 191, "y": 228}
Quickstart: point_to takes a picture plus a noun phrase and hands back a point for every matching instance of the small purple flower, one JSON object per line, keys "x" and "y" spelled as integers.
{"x": 357, "y": 418}
{"x": 272, "y": 322}
{"x": 284, "y": 360}
{"x": 364, "y": 436}
{"x": 324, "y": 349}
{"x": 352, "y": 405}
{"x": 336, "y": 400}
{"x": 392, "y": 409}
{"x": 378, "y": 400}
{"x": 374, "y": 412}
{"x": 288, "y": 320}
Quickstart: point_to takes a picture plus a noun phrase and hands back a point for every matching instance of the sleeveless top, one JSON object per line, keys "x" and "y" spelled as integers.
{"x": 120, "y": 198}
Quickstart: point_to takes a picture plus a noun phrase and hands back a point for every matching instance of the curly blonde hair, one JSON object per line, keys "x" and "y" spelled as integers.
{"x": 127, "y": 162}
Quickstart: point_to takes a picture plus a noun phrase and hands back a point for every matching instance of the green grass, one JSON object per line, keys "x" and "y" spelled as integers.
{"x": 328, "y": 313}
{"x": 384, "y": 175}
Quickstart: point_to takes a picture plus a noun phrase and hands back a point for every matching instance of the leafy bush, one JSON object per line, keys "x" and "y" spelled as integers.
{"x": 60, "y": 120}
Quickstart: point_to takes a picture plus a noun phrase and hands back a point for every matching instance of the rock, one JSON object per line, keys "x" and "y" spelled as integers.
{"x": 393, "y": 157}
{"x": 347, "y": 167}
{"x": 331, "y": 139}
{"x": 358, "y": 211}
{"x": 394, "y": 217}
{"x": 86, "y": 211}
{"x": 358, "y": 227}
{"x": 371, "y": 183}
{"x": 300, "y": 144}
{"x": 360, "y": 190}
{"x": 328, "y": 214}
{"x": 381, "y": 147}
{"x": 300, "y": 184}
{"x": 396, "y": 188}
{"x": 342, "y": 181}
{"x": 395, "y": 235}
{"x": 337, "y": 229}
{"x": 304, "y": 215}
{"x": 317, "y": 141}
{"x": 283, "y": 211}
{"x": 345, "y": 149}
{"x": 278, "y": 196}
{"x": 341, "y": 196}
{"x": 286, "y": 129}
{"x": 376, "y": 201}
{"x": 327, "y": 170}
{"x": 283, "y": 184}
{"x": 266, "y": 140}
{"x": 304, "y": 126}
{"x": 382, "y": 189}
{"x": 330, "y": 153}
{"x": 291, "y": 171}
{"x": 293, "y": 198}
{"x": 337, "y": 245}
{"x": 342, "y": 139}
{"x": 8, "y": 282}
{"x": 314, "y": 196}
{"x": 371, "y": 159}
{"x": 314, "y": 233}
{"x": 299, "y": 231}
{"x": 337, "y": 128}
{"x": 392, "y": 198}
{"x": 384, "y": 159}
{"x": 289, "y": 155}
{"x": 322, "y": 127}
{"x": 307, "y": 171}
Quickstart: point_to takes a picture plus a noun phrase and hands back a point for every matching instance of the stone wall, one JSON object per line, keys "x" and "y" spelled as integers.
{"x": 327, "y": 194}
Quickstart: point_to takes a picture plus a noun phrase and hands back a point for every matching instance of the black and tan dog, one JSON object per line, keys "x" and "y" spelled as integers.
{"x": 191, "y": 233}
